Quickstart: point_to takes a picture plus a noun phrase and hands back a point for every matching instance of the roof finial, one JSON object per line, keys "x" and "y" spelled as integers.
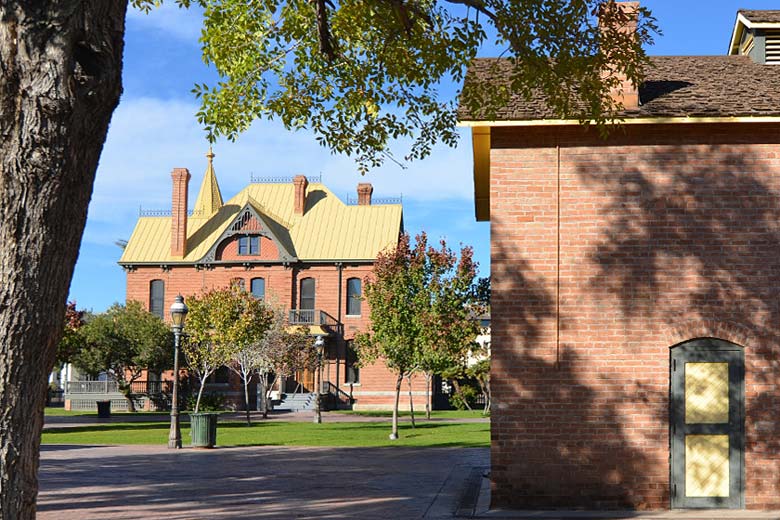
{"x": 210, "y": 155}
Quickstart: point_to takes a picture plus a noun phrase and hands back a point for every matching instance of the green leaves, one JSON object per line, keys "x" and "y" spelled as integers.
{"x": 123, "y": 341}
{"x": 422, "y": 307}
{"x": 361, "y": 74}
{"x": 221, "y": 323}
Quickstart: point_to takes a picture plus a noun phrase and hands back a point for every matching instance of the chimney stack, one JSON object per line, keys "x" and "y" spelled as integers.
{"x": 364, "y": 191}
{"x": 181, "y": 180}
{"x": 301, "y": 183}
{"x": 626, "y": 93}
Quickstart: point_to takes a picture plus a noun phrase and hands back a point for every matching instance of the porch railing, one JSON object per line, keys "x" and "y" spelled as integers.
{"x": 110, "y": 387}
{"x": 311, "y": 317}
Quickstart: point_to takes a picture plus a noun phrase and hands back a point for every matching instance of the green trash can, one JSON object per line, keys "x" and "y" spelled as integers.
{"x": 203, "y": 429}
{"x": 104, "y": 409}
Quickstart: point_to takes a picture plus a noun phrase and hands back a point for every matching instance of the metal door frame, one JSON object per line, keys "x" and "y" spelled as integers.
{"x": 707, "y": 350}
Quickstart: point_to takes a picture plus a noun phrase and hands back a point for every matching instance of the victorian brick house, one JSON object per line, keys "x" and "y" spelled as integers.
{"x": 636, "y": 287}
{"x": 290, "y": 241}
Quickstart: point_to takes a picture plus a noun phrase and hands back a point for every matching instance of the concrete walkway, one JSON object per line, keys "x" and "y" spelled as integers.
{"x": 108, "y": 482}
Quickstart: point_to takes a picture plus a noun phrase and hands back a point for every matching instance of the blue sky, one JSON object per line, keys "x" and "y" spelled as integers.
{"x": 154, "y": 130}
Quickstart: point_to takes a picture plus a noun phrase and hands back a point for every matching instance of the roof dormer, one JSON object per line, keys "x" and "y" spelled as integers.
{"x": 757, "y": 34}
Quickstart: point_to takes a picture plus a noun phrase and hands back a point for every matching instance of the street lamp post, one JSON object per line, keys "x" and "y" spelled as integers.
{"x": 178, "y": 313}
{"x": 319, "y": 344}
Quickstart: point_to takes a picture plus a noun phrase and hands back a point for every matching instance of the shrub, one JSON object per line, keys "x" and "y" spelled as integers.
{"x": 468, "y": 394}
{"x": 211, "y": 402}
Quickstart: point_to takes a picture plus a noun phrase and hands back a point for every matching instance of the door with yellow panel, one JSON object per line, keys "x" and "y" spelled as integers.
{"x": 707, "y": 424}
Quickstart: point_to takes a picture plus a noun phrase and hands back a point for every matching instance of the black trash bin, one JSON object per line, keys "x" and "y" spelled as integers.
{"x": 104, "y": 409}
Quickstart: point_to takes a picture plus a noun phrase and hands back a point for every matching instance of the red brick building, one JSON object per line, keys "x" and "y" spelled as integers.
{"x": 636, "y": 288}
{"x": 292, "y": 242}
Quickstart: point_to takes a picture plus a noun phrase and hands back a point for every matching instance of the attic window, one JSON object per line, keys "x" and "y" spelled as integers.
{"x": 773, "y": 47}
{"x": 248, "y": 245}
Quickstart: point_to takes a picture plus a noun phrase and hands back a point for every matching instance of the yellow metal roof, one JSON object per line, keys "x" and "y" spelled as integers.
{"x": 209, "y": 197}
{"x": 328, "y": 229}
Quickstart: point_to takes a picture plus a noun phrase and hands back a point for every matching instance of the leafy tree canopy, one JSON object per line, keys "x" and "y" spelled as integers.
{"x": 72, "y": 340}
{"x": 222, "y": 325}
{"x": 124, "y": 340}
{"x": 361, "y": 73}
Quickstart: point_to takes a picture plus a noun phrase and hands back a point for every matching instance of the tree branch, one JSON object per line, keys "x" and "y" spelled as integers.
{"x": 479, "y": 6}
{"x": 323, "y": 29}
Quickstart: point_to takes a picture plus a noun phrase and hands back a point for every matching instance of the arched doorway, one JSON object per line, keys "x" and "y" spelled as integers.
{"x": 707, "y": 424}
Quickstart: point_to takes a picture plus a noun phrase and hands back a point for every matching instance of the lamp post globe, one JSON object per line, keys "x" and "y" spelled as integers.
{"x": 178, "y": 314}
{"x": 179, "y": 311}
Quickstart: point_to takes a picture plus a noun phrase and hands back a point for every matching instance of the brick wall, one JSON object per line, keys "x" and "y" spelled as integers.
{"x": 605, "y": 253}
{"x": 228, "y": 250}
{"x": 377, "y": 384}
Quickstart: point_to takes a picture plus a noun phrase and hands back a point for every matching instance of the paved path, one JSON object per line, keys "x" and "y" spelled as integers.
{"x": 110, "y": 482}
{"x": 70, "y": 421}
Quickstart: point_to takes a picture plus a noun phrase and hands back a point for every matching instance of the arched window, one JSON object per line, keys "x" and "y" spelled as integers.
{"x": 354, "y": 296}
{"x": 307, "y": 294}
{"x": 257, "y": 286}
{"x": 157, "y": 298}
{"x": 238, "y": 282}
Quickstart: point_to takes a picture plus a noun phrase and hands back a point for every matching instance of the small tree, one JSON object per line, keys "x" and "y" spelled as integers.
{"x": 123, "y": 342}
{"x": 254, "y": 319}
{"x": 72, "y": 340}
{"x": 281, "y": 352}
{"x": 447, "y": 312}
{"x": 220, "y": 324}
{"x": 420, "y": 301}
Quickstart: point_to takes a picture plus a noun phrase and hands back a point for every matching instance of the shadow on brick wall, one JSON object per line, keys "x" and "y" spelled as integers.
{"x": 541, "y": 389}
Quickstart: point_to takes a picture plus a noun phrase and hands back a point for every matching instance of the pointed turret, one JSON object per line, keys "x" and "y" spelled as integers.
{"x": 209, "y": 197}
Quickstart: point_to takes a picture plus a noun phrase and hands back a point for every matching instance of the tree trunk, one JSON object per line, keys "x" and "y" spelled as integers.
{"x": 263, "y": 404}
{"x": 456, "y": 386}
{"x": 127, "y": 391}
{"x": 489, "y": 396}
{"x": 246, "y": 400}
{"x": 411, "y": 399}
{"x": 428, "y": 379}
{"x": 200, "y": 394}
{"x": 60, "y": 80}
{"x": 398, "y": 381}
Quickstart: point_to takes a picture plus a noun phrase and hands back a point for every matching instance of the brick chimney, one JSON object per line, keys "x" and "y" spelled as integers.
{"x": 364, "y": 190}
{"x": 181, "y": 180}
{"x": 626, "y": 93}
{"x": 301, "y": 183}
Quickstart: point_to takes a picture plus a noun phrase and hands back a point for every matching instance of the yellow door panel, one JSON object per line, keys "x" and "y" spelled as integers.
{"x": 707, "y": 465}
{"x": 706, "y": 393}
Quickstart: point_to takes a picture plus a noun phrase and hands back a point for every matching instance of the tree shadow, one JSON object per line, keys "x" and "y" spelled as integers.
{"x": 691, "y": 244}
{"x": 556, "y": 442}
{"x": 676, "y": 239}
{"x": 263, "y": 482}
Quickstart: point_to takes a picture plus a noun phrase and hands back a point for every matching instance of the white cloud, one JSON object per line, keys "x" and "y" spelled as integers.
{"x": 168, "y": 20}
{"x": 149, "y": 137}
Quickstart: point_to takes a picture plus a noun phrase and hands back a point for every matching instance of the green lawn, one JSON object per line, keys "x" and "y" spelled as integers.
{"x": 435, "y": 414}
{"x": 283, "y": 434}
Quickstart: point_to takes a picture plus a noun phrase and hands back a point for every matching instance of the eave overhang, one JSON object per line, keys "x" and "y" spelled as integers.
{"x": 740, "y": 25}
{"x": 480, "y": 136}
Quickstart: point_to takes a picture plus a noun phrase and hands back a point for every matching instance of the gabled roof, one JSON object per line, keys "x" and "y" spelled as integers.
{"x": 674, "y": 87}
{"x": 329, "y": 230}
{"x": 269, "y": 227}
{"x": 754, "y": 16}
